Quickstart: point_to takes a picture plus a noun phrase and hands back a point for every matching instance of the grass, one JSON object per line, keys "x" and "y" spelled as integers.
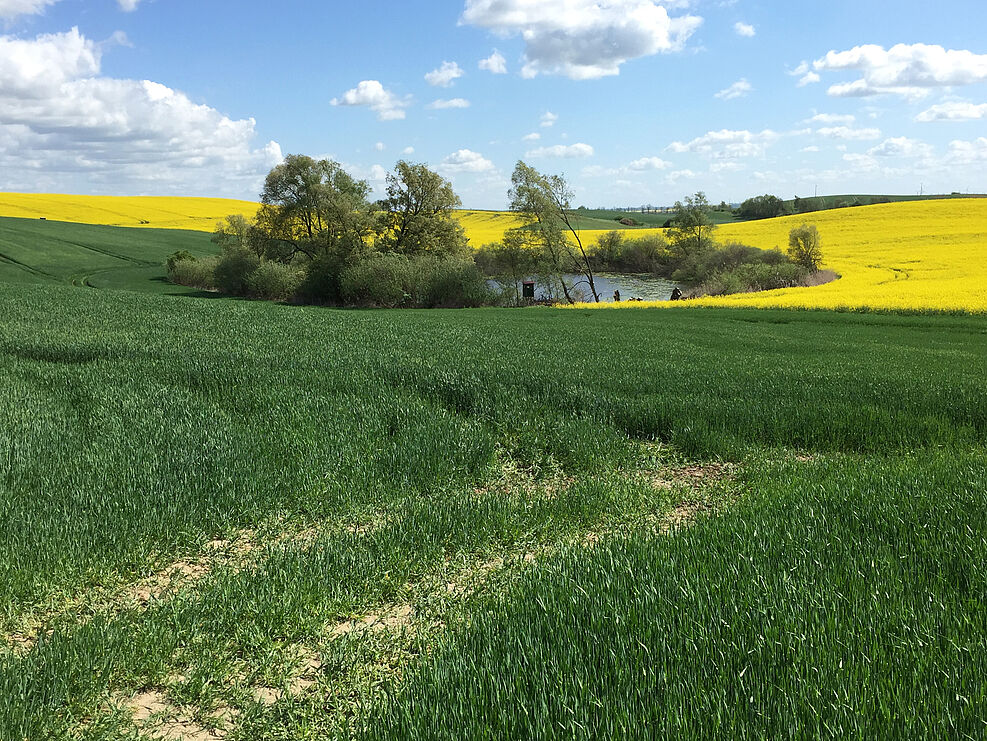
{"x": 37, "y": 251}
{"x": 294, "y": 522}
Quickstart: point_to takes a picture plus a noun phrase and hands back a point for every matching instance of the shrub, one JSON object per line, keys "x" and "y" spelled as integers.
{"x": 274, "y": 281}
{"x": 176, "y": 257}
{"x": 194, "y": 273}
{"x": 456, "y": 283}
{"x": 234, "y": 268}
{"x": 321, "y": 284}
{"x": 386, "y": 281}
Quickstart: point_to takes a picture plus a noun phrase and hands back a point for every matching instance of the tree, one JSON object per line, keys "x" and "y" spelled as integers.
{"x": 418, "y": 213}
{"x": 544, "y": 204}
{"x": 692, "y": 229}
{"x": 804, "y": 247}
{"x": 762, "y": 207}
{"x": 313, "y": 207}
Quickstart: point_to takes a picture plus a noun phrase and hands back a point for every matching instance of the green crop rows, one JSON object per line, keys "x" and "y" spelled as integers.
{"x": 244, "y": 520}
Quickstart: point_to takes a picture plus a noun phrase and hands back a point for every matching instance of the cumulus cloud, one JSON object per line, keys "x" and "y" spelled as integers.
{"x": 833, "y": 118}
{"x": 441, "y": 105}
{"x": 532, "y": 137}
{"x": 953, "y": 112}
{"x": 548, "y": 120}
{"x": 906, "y": 70}
{"x": 848, "y": 133}
{"x": 445, "y": 75}
{"x": 744, "y": 29}
{"x": 408, "y": 150}
{"x": 901, "y": 146}
{"x": 373, "y": 95}
{"x": 466, "y": 160}
{"x": 561, "y": 151}
{"x": 10, "y": 9}
{"x": 649, "y": 163}
{"x": 583, "y": 39}
{"x": 64, "y": 125}
{"x": 805, "y": 74}
{"x": 495, "y": 63}
{"x": 966, "y": 152}
{"x": 128, "y": 6}
{"x": 727, "y": 144}
{"x": 380, "y": 146}
{"x": 740, "y": 89}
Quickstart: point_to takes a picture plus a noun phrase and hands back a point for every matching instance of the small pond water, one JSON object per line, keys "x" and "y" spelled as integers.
{"x": 630, "y": 285}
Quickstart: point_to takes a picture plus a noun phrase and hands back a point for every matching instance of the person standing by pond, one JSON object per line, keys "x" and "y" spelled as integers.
{"x": 616, "y": 296}
{"x": 676, "y": 294}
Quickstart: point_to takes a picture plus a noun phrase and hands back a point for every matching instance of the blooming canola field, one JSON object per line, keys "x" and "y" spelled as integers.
{"x": 152, "y": 212}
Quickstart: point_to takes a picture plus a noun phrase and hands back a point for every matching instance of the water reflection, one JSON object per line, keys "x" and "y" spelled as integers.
{"x": 631, "y": 286}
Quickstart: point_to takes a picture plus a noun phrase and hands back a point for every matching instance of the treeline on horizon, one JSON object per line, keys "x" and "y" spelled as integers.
{"x": 317, "y": 238}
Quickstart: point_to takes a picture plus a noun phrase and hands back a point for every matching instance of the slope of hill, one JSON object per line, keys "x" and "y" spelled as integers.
{"x": 34, "y": 251}
{"x": 165, "y": 212}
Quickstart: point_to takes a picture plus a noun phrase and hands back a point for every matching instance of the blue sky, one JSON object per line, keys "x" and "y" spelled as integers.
{"x": 635, "y": 101}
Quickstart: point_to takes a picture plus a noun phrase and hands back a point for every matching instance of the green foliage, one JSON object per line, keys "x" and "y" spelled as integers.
{"x": 195, "y": 273}
{"x": 762, "y": 207}
{"x": 234, "y": 269}
{"x": 179, "y": 256}
{"x": 419, "y": 211}
{"x": 274, "y": 281}
{"x": 691, "y": 232}
{"x": 392, "y": 281}
{"x": 805, "y": 246}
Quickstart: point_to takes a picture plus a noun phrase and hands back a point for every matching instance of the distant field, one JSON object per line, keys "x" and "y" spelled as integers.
{"x": 35, "y": 251}
{"x": 166, "y": 212}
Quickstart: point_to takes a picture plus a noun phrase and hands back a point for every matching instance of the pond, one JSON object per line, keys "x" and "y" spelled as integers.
{"x": 631, "y": 285}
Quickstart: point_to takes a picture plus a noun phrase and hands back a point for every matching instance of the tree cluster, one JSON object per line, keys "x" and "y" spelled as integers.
{"x": 318, "y": 238}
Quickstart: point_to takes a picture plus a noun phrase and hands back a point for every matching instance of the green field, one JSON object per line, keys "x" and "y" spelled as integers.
{"x": 35, "y": 251}
{"x": 244, "y": 520}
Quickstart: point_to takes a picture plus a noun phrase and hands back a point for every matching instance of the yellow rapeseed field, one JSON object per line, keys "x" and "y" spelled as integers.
{"x": 196, "y": 214}
{"x": 923, "y": 255}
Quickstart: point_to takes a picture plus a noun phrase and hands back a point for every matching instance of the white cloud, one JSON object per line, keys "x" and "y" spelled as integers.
{"x": 548, "y": 120}
{"x": 439, "y": 105}
{"x": 811, "y": 148}
{"x": 739, "y": 89}
{"x": 901, "y": 147}
{"x": 906, "y": 70}
{"x": 495, "y": 63}
{"x": 445, "y": 75}
{"x": 376, "y": 97}
{"x": 379, "y": 146}
{"x": 805, "y": 74}
{"x": 674, "y": 177}
{"x": 562, "y": 151}
{"x": 849, "y": 134}
{"x": 744, "y": 29}
{"x": 128, "y": 6}
{"x": 532, "y": 137}
{"x": 649, "y": 163}
{"x": 832, "y": 118}
{"x": 10, "y": 9}
{"x": 408, "y": 150}
{"x": 953, "y": 112}
{"x": 466, "y": 160}
{"x": 583, "y": 39}
{"x": 967, "y": 152}
{"x": 727, "y": 144}
{"x": 64, "y": 126}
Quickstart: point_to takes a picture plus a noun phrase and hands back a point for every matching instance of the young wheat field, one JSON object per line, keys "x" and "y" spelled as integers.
{"x": 240, "y": 520}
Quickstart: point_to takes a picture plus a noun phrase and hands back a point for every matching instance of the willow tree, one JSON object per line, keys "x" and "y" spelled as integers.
{"x": 544, "y": 204}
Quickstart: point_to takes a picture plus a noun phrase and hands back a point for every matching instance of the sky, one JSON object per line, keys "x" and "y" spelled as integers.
{"x": 634, "y": 101}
